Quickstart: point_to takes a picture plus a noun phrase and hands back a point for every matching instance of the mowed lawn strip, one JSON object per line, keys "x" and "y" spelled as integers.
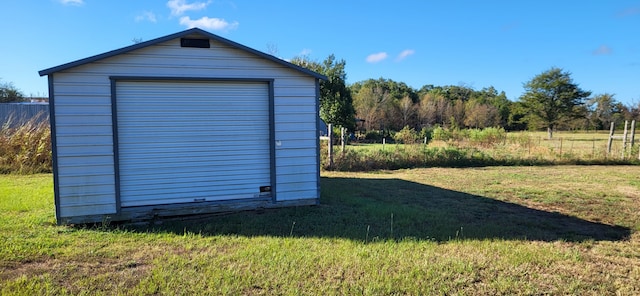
{"x": 472, "y": 231}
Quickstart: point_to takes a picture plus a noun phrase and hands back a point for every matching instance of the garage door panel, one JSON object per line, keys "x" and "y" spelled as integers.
{"x": 182, "y": 141}
{"x": 192, "y": 120}
{"x": 160, "y": 189}
{"x": 195, "y": 181}
{"x": 176, "y": 155}
{"x": 178, "y": 129}
{"x": 155, "y": 151}
{"x": 185, "y": 178}
{"x": 187, "y": 166}
{"x": 179, "y": 198}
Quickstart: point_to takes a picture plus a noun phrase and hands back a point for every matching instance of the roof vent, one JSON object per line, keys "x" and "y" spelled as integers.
{"x": 196, "y": 43}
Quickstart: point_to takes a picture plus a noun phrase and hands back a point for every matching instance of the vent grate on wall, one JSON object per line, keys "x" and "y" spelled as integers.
{"x": 196, "y": 43}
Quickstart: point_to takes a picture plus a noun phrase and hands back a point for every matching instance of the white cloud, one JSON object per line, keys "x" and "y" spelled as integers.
{"x": 603, "y": 50}
{"x": 72, "y": 2}
{"x": 208, "y": 23}
{"x": 179, "y": 7}
{"x": 376, "y": 57}
{"x": 305, "y": 52}
{"x": 146, "y": 16}
{"x": 404, "y": 54}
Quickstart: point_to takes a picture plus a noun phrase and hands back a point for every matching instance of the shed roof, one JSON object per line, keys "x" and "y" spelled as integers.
{"x": 174, "y": 36}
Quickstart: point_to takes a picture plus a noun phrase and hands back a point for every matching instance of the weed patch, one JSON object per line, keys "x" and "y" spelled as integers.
{"x": 25, "y": 149}
{"x": 477, "y": 148}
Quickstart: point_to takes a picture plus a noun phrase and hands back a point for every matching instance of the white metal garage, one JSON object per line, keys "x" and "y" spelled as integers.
{"x": 186, "y": 123}
{"x": 185, "y": 141}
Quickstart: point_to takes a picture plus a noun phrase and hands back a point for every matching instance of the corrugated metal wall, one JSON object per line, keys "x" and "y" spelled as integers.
{"x": 17, "y": 114}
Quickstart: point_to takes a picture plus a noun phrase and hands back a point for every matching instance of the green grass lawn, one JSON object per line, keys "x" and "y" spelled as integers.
{"x": 471, "y": 231}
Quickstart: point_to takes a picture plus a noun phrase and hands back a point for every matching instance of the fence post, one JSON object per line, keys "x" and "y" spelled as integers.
{"x": 342, "y": 138}
{"x": 571, "y": 147}
{"x": 633, "y": 136}
{"x": 330, "y": 147}
{"x": 561, "y": 147}
{"x": 624, "y": 138}
{"x": 610, "y": 138}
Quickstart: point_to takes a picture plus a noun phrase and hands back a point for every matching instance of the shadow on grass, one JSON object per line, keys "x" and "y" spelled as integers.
{"x": 380, "y": 209}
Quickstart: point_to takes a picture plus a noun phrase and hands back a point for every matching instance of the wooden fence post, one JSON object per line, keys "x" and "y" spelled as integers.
{"x": 330, "y": 132}
{"x": 610, "y": 138}
{"x": 342, "y": 138}
{"x": 560, "y": 147}
{"x": 633, "y": 136}
{"x": 624, "y": 139}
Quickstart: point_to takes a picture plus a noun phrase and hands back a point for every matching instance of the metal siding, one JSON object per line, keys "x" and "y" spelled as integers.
{"x": 295, "y": 109}
{"x": 294, "y": 126}
{"x": 96, "y": 208}
{"x": 287, "y": 161}
{"x": 172, "y": 40}
{"x": 301, "y": 178}
{"x": 83, "y": 146}
{"x": 297, "y": 168}
{"x": 54, "y": 147}
{"x": 300, "y": 194}
{"x": 181, "y": 141}
{"x": 296, "y": 135}
{"x": 80, "y": 139}
{"x": 295, "y": 152}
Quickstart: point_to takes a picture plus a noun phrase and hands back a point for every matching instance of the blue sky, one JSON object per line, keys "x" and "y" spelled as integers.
{"x": 473, "y": 43}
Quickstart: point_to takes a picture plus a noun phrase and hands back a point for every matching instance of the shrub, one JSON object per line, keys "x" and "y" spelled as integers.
{"x": 426, "y": 132}
{"x": 441, "y": 134}
{"x": 373, "y": 136}
{"x": 487, "y": 137}
{"x": 406, "y": 136}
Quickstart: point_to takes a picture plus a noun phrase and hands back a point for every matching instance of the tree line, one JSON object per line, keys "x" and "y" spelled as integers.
{"x": 551, "y": 101}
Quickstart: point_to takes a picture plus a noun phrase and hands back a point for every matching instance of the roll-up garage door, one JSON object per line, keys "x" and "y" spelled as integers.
{"x": 183, "y": 141}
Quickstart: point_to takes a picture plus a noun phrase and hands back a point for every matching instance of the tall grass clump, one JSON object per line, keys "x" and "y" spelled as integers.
{"x": 25, "y": 149}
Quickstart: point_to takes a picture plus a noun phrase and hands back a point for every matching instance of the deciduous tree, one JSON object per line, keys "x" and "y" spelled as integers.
{"x": 478, "y": 115}
{"x": 432, "y": 109}
{"x": 336, "y": 102}
{"x": 407, "y": 110}
{"x": 9, "y": 93}
{"x": 552, "y": 97}
{"x": 602, "y": 108}
{"x": 368, "y": 104}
